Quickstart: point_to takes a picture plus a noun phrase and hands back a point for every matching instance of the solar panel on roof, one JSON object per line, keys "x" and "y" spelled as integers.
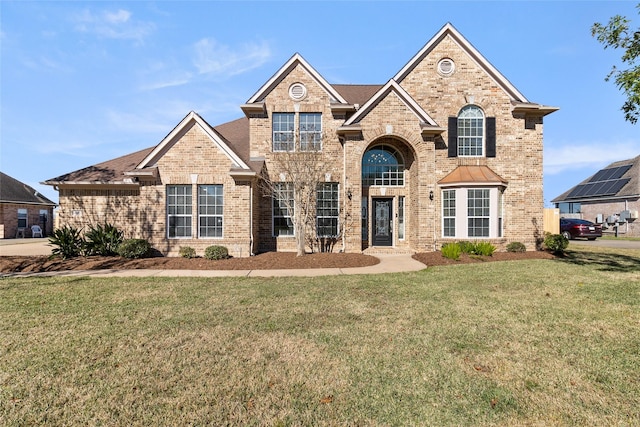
{"x": 618, "y": 185}
{"x": 610, "y": 173}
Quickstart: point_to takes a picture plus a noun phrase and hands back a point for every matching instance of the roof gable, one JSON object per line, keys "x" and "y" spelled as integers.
{"x": 449, "y": 31}
{"x": 293, "y": 62}
{"x": 383, "y": 92}
{"x": 191, "y": 119}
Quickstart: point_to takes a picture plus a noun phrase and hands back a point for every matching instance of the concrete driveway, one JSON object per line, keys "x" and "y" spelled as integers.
{"x": 607, "y": 243}
{"x": 25, "y": 247}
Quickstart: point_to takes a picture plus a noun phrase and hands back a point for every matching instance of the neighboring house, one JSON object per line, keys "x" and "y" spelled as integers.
{"x": 22, "y": 207}
{"x": 448, "y": 149}
{"x": 610, "y": 197}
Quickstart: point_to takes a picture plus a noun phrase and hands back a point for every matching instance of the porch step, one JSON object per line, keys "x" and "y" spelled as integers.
{"x": 373, "y": 250}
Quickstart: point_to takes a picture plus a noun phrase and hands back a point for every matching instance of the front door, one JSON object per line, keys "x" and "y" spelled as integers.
{"x": 382, "y": 222}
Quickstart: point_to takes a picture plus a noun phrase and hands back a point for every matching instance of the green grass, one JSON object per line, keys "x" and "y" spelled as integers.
{"x": 540, "y": 342}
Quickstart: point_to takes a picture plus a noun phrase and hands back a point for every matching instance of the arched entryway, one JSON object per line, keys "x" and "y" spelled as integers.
{"x": 386, "y": 183}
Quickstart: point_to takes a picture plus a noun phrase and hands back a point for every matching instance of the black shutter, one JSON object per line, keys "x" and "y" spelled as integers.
{"x": 491, "y": 136}
{"x": 453, "y": 137}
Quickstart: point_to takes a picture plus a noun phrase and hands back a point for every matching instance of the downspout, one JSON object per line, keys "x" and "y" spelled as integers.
{"x": 344, "y": 194}
{"x": 251, "y": 253}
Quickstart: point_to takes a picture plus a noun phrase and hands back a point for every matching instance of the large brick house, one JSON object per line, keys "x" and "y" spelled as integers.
{"x": 448, "y": 149}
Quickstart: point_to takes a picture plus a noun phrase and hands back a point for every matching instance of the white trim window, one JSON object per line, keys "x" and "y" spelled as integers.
{"x": 449, "y": 213}
{"x": 310, "y": 131}
{"x": 283, "y": 135}
{"x": 283, "y": 206}
{"x": 210, "y": 211}
{"x": 328, "y": 209}
{"x": 482, "y": 218}
{"x": 471, "y": 132}
{"x": 478, "y": 212}
{"x": 179, "y": 211}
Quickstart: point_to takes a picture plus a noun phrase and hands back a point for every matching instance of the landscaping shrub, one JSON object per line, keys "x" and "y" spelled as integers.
{"x": 187, "y": 252}
{"x": 134, "y": 248}
{"x": 451, "y": 251}
{"x": 216, "y": 252}
{"x": 102, "y": 240}
{"x": 484, "y": 249}
{"x": 556, "y": 243}
{"x": 67, "y": 241}
{"x": 516, "y": 247}
{"x": 467, "y": 247}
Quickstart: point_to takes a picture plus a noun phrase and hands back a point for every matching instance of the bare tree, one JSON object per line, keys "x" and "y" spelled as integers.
{"x": 296, "y": 174}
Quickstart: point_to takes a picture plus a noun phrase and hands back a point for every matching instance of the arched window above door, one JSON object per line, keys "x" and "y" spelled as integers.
{"x": 382, "y": 165}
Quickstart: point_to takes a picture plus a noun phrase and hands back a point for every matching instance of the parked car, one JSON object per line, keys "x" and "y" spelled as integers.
{"x": 572, "y": 228}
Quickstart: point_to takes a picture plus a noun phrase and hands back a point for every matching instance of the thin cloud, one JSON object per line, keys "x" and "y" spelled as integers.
{"x": 559, "y": 159}
{"x": 210, "y": 60}
{"x": 215, "y": 59}
{"x": 116, "y": 24}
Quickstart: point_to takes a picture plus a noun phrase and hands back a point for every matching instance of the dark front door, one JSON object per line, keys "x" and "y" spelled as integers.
{"x": 382, "y": 225}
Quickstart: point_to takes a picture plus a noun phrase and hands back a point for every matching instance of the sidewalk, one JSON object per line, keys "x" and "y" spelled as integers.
{"x": 21, "y": 247}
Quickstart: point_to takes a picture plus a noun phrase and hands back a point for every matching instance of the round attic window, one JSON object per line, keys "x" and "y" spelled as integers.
{"x": 297, "y": 91}
{"x": 446, "y": 67}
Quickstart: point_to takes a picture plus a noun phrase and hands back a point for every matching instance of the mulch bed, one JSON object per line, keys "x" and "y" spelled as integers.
{"x": 265, "y": 261}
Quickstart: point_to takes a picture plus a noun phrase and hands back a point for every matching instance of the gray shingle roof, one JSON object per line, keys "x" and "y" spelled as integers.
{"x": 14, "y": 191}
{"x": 630, "y": 189}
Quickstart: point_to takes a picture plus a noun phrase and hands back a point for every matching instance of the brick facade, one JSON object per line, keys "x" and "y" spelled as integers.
{"x": 410, "y": 115}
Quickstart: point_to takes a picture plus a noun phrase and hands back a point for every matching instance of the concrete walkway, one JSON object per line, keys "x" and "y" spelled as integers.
{"x": 31, "y": 247}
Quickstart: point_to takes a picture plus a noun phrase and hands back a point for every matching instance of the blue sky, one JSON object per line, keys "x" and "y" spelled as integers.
{"x": 85, "y": 82}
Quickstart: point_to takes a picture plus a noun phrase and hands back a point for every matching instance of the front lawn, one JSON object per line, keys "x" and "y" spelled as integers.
{"x": 538, "y": 342}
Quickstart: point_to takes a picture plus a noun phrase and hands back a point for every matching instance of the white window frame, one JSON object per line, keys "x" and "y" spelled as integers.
{"x": 210, "y": 211}
{"x": 478, "y": 213}
{"x": 283, "y": 211}
{"x": 283, "y": 132}
{"x": 471, "y": 132}
{"x": 310, "y": 131}
{"x": 328, "y": 208}
{"x": 177, "y": 211}
{"x": 467, "y": 211}
{"x": 449, "y": 213}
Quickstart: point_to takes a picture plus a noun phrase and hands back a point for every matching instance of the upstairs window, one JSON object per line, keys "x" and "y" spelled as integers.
{"x": 310, "y": 131}
{"x": 307, "y": 127}
{"x": 471, "y": 134}
{"x": 283, "y": 127}
{"x": 470, "y": 131}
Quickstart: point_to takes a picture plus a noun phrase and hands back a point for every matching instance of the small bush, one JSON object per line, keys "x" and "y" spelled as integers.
{"x": 102, "y": 240}
{"x": 556, "y": 243}
{"x": 67, "y": 241}
{"x": 134, "y": 248}
{"x": 187, "y": 252}
{"x": 484, "y": 249}
{"x": 467, "y": 247}
{"x": 451, "y": 251}
{"x": 516, "y": 247}
{"x": 216, "y": 252}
